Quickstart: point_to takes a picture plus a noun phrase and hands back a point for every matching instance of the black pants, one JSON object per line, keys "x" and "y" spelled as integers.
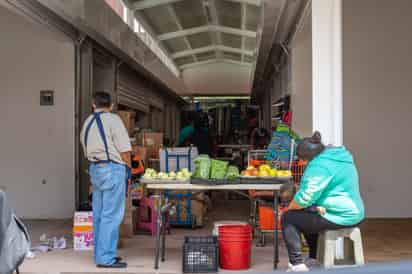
{"x": 310, "y": 224}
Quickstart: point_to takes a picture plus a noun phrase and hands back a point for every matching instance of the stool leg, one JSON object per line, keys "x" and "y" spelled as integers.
{"x": 163, "y": 231}
{"x": 348, "y": 251}
{"x": 329, "y": 253}
{"x": 358, "y": 247}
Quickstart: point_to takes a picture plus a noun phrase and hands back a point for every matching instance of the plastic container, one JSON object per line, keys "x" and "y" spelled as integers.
{"x": 267, "y": 218}
{"x": 175, "y": 159}
{"x": 235, "y": 247}
{"x": 200, "y": 255}
{"x": 216, "y": 225}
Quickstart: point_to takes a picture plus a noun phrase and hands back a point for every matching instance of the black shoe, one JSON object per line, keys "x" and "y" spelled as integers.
{"x": 118, "y": 259}
{"x": 115, "y": 265}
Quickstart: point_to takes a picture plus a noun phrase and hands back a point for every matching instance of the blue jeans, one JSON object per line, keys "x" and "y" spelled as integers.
{"x": 109, "y": 189}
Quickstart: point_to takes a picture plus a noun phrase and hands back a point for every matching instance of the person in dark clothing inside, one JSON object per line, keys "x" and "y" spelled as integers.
{"x": 200, "y": 136}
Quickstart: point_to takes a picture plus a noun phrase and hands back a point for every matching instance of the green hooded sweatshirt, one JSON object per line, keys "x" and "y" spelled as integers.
{"x": 331, "y": 181}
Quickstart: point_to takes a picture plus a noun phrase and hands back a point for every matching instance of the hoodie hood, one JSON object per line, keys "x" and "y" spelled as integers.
{"x": 337, "y": 154}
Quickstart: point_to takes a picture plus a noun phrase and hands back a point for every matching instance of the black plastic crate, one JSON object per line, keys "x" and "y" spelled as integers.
{"x": 201, "y": 255}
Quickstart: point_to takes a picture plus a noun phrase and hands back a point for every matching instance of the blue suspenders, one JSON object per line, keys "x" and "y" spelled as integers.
{"x": 97, "y": 118}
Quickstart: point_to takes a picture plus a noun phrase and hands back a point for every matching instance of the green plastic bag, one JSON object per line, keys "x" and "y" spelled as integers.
{"x": 202, "y": 167}
{"x": 232, "y": 173}
{"x": 218, "y": 169}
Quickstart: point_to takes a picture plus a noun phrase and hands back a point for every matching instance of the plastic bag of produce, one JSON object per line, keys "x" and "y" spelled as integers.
{"x": 202, "y": 167}
{"x": 232, "y": 173}
{"x": 218, "y": 169}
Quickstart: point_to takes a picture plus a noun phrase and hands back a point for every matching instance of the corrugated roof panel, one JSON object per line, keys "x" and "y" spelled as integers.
{"x": 200, "y": 40}
{"x": 230, "y": 14}
{"x": 175, "y": 45}
{"x": 230, "y": 40}
{"x": 184, "y": 60}
{"x": 252, "y": 18}
{"x": 206, "y": 56}
{"x": 232, "y": 56}
{"x": 160, "y": 20}
{"x": 190, "y": 13}
{"x": 250, "y": 43}
{"x": 249, "y": 59}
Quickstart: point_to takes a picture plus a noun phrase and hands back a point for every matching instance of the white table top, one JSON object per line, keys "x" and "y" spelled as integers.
{"x": 274, "y": 187}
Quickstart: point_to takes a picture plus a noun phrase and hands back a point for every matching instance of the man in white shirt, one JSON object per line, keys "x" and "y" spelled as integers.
{"x": 106, "y": 145}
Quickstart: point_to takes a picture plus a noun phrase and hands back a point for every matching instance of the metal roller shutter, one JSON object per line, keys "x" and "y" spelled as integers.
{"x": 128, "y": 96}
{"x": 131, "y": 91}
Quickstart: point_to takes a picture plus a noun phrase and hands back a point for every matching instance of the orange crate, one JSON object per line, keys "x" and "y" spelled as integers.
{"x": 298, "y": 168}
{"x": 267, "y": 218}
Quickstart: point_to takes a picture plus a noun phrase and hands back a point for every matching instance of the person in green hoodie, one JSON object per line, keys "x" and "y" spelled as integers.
{"x": 330, "y": 181}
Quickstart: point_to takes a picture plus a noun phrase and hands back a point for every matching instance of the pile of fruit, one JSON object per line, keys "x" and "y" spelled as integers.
{"x": 265, "y": 171}
{"x": 184, "y": 174}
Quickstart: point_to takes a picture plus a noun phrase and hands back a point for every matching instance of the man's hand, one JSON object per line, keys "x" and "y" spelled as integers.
{"x": 127, "y": 158}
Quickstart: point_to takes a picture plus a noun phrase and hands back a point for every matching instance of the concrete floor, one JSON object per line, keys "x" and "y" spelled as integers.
{"x": 384, "y": 240}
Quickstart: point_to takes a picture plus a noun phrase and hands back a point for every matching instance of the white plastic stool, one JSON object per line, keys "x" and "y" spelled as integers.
{"x": 217, "y": 224}
{"x": 353, "y": 249}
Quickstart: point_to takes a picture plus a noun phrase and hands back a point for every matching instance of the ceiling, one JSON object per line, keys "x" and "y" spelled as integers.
{"x": 199, "y": 32}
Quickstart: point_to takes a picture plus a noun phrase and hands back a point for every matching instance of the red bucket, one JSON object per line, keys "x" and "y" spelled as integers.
{"x": 235, "y": 247}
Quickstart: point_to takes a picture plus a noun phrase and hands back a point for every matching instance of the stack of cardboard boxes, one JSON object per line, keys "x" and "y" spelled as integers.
{"x": 152, "y": 141}
{"x": 83, "y": 231}
{"x": 128, "y": 118}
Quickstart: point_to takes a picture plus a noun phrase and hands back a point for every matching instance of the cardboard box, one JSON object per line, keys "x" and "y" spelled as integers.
{"x": 153, "y": 152}
{"x": 83, "y": 218}
{"x": 83, "y": 231}
{"x": 149, "y": 139}
{"x": 198, "y": 208}
{"x": 83, "y": 241}
{"x": 126, "y": 227}
{"x": 126, "y": 231}
{"x": 143, "y": 154}
{"x": 128, "y": 118}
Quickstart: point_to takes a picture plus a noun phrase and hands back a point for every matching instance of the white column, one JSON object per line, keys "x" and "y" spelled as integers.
{"x": 327, "y": 52}
{"x": 327, "y": 69}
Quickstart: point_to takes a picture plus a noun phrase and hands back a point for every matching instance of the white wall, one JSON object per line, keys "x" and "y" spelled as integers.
{"x": 301, "y": 86}
{"x": 37, "y": 142}
{"x": 378, "y": 101}
{"x": 217, "y": 79}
